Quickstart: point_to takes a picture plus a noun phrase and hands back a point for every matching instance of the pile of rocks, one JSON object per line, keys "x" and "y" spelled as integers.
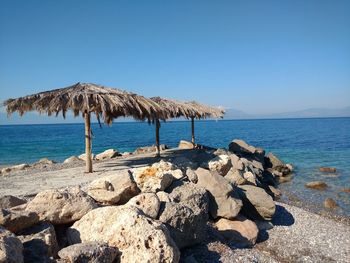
{"x": 146, "y": 214}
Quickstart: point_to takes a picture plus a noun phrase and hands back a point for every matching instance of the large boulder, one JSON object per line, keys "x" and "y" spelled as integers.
{"x": 221, "y": 164}
{"x": 107, "y": 154}
{"x": 235, "y": 177}
{"x": 39, "y": 242}
{"x": 92, "y": 252}
{"x": 257, "y": 204}
{"x": 224, "y": 202}
{"x": 15, "y": 168}
{"x": 272, "y": 161}
{"x": 186, "y": 215}
{"x": 276, "y": 166}
{"x": 148, "y": 203}
{"x": 17, "y": 220}
{"x": 241, "y": 231}
{"x": 156, "y": 177}
{"x": 242, "y": 149}
{"x": 185, "y": 145}
{"x": 11, "y": 248}
{"x": 139, "y": 238}
{"x": 43, "y": 162}
{"x": 61, "y": 206}
{"x": 8, "y": 201}
{"x": 250, "y": 178}
{"x": 237, "y": 163}
{"x": 72, "y": 159}
{"x": 83, "y": 156}
{"x": 113, "y": 188}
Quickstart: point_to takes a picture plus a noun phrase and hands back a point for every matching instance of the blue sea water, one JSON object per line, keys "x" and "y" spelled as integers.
{"x": 306, "y": 143}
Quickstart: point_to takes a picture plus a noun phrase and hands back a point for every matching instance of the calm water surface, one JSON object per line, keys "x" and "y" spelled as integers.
{"x": 306, "y": 143}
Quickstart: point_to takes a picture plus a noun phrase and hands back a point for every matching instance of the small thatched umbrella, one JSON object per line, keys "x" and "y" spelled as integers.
{"x": 190, "y": 110}
{"x": 87, "y": 98}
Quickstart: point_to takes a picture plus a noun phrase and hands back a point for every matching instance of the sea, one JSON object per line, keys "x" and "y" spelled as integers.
{"x": 308, "y": 144}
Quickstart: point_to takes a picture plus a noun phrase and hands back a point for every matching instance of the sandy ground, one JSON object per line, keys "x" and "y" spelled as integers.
{"x": 298, "y": 235}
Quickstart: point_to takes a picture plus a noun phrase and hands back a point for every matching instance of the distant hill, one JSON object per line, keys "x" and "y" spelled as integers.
{"x": 307, "y": 113}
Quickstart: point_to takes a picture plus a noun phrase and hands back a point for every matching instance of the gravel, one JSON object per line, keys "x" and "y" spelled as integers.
{"x": 298, "y": 236}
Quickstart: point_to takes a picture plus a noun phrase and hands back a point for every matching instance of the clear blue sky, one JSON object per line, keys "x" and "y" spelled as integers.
{"x": 256, "y": 56}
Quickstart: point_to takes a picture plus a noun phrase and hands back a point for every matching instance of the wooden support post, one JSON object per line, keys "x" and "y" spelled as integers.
{"x": 192, "y": 122}
{"x": 88, "y": 164}
{"x": 157, "y": 138}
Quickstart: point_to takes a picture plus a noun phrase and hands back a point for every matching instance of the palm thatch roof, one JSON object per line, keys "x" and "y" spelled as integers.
{"x": 107, "y": 103}
{"x": 176, "y": 109}
{"x": 205, "y": 111}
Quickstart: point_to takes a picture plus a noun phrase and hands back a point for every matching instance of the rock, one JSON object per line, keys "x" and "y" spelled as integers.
{"x": 330, "y": 203}
{"x": 257, "y": 204}
{"x": 241, "y": 147}
{"x": 163, "y": 166}
{"x": 126, "y": 153}
{"x": 45, "y": 161}
{"x": 148, "y": 203}
{"x": 11, "y": 247}
{"x": 184, "y": 163}
{"x": 236, "y": 162}
{"x": 223, "y": 200}
{"x": 191, "y": 175}
{"x": 252, "y": 165}
{"x": 250, "y": 178}
{"x": 107, "y": 154}
{"x": 181, "y": 221}
{"x": 275, "y": 192}
{"x": 272, "y": 161}
{"x": 163, "y": 196}
{"x": 319, "y": 185}
{"x": 113, "y": 188}
{"x": 8, "y": 201}
{"x": 241, "y": 231}
{"x": 186, "y": 215}
{"x": 156, "y": 177}
{"x": 93, "y": 252}
{"x": 83, "y": 157}
{"x": 284, "y": 179}
{"x": 150, "y": 149}
{"x": 72, "y": 159}
{"x": 39, "y": 242}
{"x": 139, "y": 238}
{"x": 328, "y": 169}
{"x": 222, "y": 164}
{"x": 61, "y": 206}
{"x": 263, "y": 225}
{"x": 290, "y": 167}
{"x": 345, "y": 190}
{"x": 235, "y": 177}
{"x": 15, "y": 168}
{"x": 15, "y": 221}
{"x": 185, "y": 145}
{"x": 221, "y": 151}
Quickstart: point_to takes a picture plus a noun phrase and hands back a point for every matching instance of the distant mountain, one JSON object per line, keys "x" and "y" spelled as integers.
{"x": 307, "y": 113}
{"x": 236, "y": 114}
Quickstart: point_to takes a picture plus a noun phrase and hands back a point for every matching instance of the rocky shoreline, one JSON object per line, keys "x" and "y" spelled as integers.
{"x": 191, "y": 205}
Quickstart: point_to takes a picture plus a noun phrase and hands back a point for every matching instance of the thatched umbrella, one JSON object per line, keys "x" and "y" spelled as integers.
{"x": 190, "y": 110}
{"x": 87, "y": 98}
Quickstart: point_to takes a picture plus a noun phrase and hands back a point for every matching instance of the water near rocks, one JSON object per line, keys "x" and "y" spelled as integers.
{"x": 308, "y": 144}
